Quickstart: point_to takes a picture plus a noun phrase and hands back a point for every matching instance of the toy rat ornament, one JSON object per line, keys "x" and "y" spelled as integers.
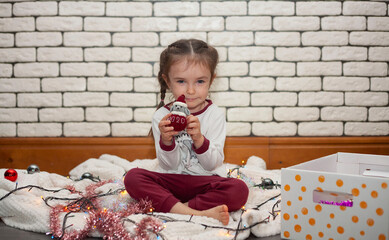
{"x": 179, "y": 111}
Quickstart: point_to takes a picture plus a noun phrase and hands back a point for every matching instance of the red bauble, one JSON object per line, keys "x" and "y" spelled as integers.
{"x": 178, "y": 122}
{"x": 11, "y": 175}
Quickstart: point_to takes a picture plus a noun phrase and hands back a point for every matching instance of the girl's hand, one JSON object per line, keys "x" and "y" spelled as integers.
{"x": 193, "y": 129}
{"x": 167, "y": 132}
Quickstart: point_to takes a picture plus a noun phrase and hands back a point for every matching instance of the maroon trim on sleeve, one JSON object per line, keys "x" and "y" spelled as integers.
{"x": 165, "y": 147}
{"x": 203, "y": 147}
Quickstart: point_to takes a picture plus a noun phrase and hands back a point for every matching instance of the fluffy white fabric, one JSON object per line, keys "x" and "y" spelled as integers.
{"x": 26, "y": 210}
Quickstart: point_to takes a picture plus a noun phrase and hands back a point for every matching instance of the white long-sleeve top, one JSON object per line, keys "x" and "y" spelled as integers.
{"x": 181, "y": 157}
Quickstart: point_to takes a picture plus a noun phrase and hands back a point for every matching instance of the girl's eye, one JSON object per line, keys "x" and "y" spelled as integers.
{"x": 201, "y": 81}
{"x": 180, "y": 81}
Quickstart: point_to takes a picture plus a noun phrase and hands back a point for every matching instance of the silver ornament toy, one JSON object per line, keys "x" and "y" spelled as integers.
{"x": 33, "y": 168}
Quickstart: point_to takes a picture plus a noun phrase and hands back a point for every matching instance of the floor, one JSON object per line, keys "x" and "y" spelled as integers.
{"x": 7, "y": 233}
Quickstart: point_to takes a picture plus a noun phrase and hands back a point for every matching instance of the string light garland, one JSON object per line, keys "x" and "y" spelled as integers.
{"x": 110, "y": 221}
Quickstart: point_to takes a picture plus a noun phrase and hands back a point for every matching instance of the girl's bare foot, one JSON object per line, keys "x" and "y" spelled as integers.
{"x": 220, "y": 213}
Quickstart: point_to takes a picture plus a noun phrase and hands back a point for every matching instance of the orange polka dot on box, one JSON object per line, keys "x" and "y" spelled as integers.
{"x": 340, "y": 196}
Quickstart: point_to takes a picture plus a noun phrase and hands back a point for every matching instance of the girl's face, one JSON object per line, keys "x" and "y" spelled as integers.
{"x": 192, "y": 80}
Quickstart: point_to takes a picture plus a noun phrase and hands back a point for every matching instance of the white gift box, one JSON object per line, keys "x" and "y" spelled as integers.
{"x": 340, "y": 196}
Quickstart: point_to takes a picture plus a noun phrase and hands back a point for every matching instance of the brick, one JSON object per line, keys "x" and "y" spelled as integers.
{"x": 319, "y": 68}
{"x": 7, "y": 100}
{"x": 19, "y": 85}
{"x": 272, "y": 69}
{"x": 17, "y": 55}
{"x": 364, "y": 8}
{"x": 298, "y": 54}
{"x": 346, "y": 84}
{"x": 86, "y": 39}
{"x": 18, "y": 115}
{"x": 296, "y": 23}
{"x": 223, "y": 8}
{"x": 107, "y": 84}
{"x": 6, "y": 40}
{"x": 343, "y": 23}
{"x": 36, "y": 70}
{"x": 39, "y": 129}
{"x": 7, "y": 129}
{"x": 84, "y": 129}
{"x": 379, "y": 114}
{"x": 129, "y": 9}
{"x": 344, "y": 53}
{"x": 38, "y": 39}
{"x": 275, "y": 129}
{"x": 298, "y": 84}
{"x": 17, "y": 24}
{"x": 107, "y": 54}
{"x": 380, "y": 84}
{"x": 274, "y": 99}
{"x": 343, "y": 114}
{"x": 250, "y": 114}
{"x": 143, "y": 114}
{"x": 366, "y": 98}
{"x": 320, "y": 129}
{"x": 201, "y": 24}
{"x": 154, "y": 24}
{"x": 366, "y": 129}
{"x": 277, "y": 38}
{"x": 379, "y": 54}
{"x": 324, "y": 38}
{"x": 61, "y": 114}
{"x": 35, "y": 8}
{"x": 230, "y": 38}
{"x": 232, "y": 69}
{"x": 83, "y": 69}
{"x": 106, "y": 24}
{"x": 82, "y": 8}
{"x": 130, "y": 69}
{"x": 135, "y": 39}
{"x": 231, "y": 99}
{"x": 222, "y": 51}
{"x": 168, "y": 38}
{"x": 85, "y": 99}
{"x": 146, "y": 85}
{"x": 318, "y": 8}
{"x": 130, "y": 129}
{"x": 108, "y": 114}
{"x": 369, "y": 38}
{"x": 39, "y": 99}
{"x": 63, "y": 84}
{"x": 5, "y": 10}
{"x": 59, "y": 23}
{"x": 146, "y": 54}
{"x": 133, "y": 99}
{"x": 271, "y": 8}
{"x": 251, "y": 53}
{"x": 365, "y": 69}
{"x": 320, "y": 98}
{"x": 5, "y": 70}
{"x": 296, "y": 114}
{"x": 246, "y": 23}
{"x": 238, "y": 129}
{"x": 219, "y": 84}
{"x": 252, "y": 84}
{"x": 60, "y": 54}
{"x": 378, "y": 23}
{"x": 176, "y": 9}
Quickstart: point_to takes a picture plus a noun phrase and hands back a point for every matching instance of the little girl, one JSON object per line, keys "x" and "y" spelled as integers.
{"x": 192, "y": 180}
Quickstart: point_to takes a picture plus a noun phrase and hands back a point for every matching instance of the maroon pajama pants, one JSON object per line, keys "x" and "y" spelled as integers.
{"x": 201, "y": 192}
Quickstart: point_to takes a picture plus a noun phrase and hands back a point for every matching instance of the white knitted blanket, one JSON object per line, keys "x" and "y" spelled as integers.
{"x": 26, "y": 210}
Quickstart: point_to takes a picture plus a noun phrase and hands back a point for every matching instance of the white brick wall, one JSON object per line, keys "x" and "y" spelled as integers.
{"x": 287, "y": 68}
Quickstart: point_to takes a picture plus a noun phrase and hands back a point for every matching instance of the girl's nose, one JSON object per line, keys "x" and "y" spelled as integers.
{"x": 190, "y": 89}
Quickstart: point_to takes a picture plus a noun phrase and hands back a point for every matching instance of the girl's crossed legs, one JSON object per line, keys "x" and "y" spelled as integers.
{"x": 211, "y": 196}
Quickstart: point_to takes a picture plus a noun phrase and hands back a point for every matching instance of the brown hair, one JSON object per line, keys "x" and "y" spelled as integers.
{"x": 194, "y": 51}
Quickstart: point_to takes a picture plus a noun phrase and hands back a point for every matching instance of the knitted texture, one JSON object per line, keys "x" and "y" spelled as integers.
{"x": 26, "y": 210}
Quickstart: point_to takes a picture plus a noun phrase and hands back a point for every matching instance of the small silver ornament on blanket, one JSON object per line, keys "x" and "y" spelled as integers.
{"x": 33, "y": 168}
